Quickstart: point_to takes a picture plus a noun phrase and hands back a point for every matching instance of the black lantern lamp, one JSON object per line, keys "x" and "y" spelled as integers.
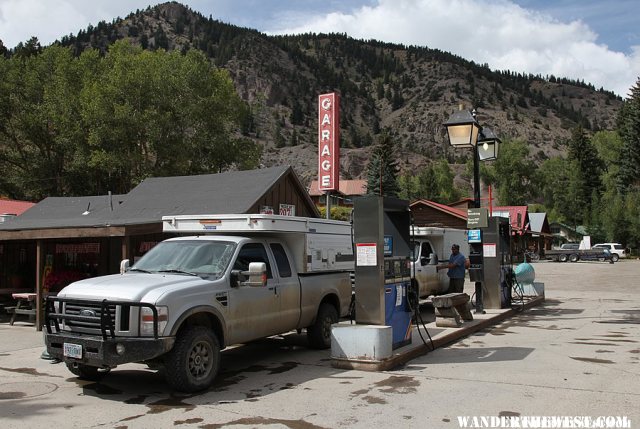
{"x": 462, "y": 129}
{"x": 488, "y": 144}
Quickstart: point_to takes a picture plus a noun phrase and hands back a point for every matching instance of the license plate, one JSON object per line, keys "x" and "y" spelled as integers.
{"x": 72, "y": 350}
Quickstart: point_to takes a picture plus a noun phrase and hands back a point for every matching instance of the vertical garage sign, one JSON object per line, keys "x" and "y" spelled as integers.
{"x": 329, "y": 141}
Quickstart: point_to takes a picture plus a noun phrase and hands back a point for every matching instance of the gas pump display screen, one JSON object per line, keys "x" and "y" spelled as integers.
{"x": 388, "y": 245}
{"x": 474, "y": 236}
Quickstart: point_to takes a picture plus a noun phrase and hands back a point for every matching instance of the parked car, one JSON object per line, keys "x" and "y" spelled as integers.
{"x": 616, "y": 248}
{"x": 570, "y": 246}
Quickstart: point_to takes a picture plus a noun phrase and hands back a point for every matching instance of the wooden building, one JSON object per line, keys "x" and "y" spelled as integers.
{"x": 348, "y": 189}
{"x": 429, "y": 213}
{"x": 63, "y": 239}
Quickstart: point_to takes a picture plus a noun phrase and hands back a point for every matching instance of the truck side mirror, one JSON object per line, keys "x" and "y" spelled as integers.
{"x": 257, "y": 274}
{"x": 433, "y": 259}
{"x": 124, "y": 266}
{"x": 235, "y": 278}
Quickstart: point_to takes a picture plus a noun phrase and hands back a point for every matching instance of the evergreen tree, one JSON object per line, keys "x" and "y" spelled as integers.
{"x": 379, "y": 90}
{"x": 629, "y": 130}
{"x": 297, "y": 115}
{"x": 583, "y": 152}
{"x": 29, "y": 49}
{"x": 382, "y": 171}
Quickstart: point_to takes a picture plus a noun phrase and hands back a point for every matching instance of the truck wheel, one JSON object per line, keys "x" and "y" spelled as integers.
{"x": 194, "y": 361}
{"x": 615, "y": 257}
{"x": 319, "y": 334}
{"x": 562, "y": 258}
{"x": 573, "y": 257}
{"x": 86, "y": 372}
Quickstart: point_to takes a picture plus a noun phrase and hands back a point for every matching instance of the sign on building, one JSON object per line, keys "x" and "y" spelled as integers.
{"x": 328, "y": 141}
{"x": 287, "y": 210}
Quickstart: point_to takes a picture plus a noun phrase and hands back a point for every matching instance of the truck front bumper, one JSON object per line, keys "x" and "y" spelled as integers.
{"x": 99, "y": 352}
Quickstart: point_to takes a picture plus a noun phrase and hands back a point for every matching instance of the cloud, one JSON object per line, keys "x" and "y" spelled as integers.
{"x": 21, "y": 17}
{"x": 49, "y": 20}
{"x": 499, "y": 33}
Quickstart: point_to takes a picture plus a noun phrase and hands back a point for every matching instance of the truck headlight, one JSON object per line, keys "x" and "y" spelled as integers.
{"x": 146, "y": 320}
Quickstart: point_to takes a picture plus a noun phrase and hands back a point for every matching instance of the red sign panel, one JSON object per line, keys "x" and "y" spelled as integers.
{"x": 328, "y": 141}
{"x": 78, "y": 248}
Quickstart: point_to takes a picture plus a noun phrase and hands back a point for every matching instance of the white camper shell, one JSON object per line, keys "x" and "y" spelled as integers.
{"x": 317, "y": 245}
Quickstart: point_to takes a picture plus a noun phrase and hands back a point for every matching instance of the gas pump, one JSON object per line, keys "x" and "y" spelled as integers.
{"x": 381, "y": 227}
{"x": 497, "y": 263}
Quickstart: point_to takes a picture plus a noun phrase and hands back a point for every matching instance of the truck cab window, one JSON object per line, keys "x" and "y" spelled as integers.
{"x": 426, "y": 250}
{"x": 284, "y": 269}
{"x": 423, "y": 250}
{"x": 252, "y": 252}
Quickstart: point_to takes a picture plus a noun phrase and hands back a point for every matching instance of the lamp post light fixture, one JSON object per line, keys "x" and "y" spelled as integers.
{"x": 488, "y": 144}
{"x": 464, "y": 131}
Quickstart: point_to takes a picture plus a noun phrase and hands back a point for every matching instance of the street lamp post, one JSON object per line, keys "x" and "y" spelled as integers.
{"x": 464, "y": 131}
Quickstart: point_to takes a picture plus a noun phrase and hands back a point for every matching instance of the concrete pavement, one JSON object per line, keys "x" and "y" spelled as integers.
{"x": 578, "y": 354}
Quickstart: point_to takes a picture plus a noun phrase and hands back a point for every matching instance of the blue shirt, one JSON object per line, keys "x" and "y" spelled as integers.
{"x": 458, "y": 271}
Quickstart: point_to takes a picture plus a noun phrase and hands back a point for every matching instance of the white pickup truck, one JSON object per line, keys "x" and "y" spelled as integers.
{"x": 243, "y": 277}
{"x": 432, "y": 245}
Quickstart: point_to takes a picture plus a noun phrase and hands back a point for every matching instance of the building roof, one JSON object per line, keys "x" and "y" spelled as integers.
{"x": 346, "y": 187}
{"x": 462, "y": 214}
{"x": 579, "y": 229}
{"x": 517, "y": 216}
{"x": 64, "y": 212}
{"x": 464, "y": 202}
{"x": 539, "y": 223}
{"x": 14, "y": 207}
{"x": 229, "y": 192}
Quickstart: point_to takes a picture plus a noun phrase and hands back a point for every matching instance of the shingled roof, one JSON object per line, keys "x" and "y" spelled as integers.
{"x": 66, "y": 212}
{"x": 229, "y": 192}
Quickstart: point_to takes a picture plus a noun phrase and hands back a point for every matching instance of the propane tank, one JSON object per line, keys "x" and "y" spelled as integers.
{"x": 525, "y": 274}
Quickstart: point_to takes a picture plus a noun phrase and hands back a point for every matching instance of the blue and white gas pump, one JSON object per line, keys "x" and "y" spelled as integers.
{"x": 382, "y": 274}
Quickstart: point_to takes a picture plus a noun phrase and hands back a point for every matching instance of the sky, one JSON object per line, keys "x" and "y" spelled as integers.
{"x": 596, "y": 41}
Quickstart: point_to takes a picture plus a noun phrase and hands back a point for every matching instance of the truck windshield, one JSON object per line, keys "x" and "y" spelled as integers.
{"x": 203, "y": 258}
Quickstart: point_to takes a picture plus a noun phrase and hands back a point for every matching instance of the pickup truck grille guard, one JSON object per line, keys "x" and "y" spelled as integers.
{"x": 103, "y": 317}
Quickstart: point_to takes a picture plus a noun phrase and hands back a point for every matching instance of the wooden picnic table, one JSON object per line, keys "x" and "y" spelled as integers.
{"x": 25, "y": 304}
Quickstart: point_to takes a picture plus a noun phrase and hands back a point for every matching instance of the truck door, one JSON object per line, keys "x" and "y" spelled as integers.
{"x": 426, "y": 273}
{"x": 288, "y": 288}
{"x": 255, "y": 310}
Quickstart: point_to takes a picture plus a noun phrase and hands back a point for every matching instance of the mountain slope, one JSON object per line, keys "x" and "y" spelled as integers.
{"x": 410, "y": 91}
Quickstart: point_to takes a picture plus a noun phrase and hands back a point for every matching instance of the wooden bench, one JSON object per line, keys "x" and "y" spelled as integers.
{"x": 451, "y": 309}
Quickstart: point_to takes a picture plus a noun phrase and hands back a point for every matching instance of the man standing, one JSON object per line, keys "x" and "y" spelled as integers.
{"x": 456, "y": 266}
